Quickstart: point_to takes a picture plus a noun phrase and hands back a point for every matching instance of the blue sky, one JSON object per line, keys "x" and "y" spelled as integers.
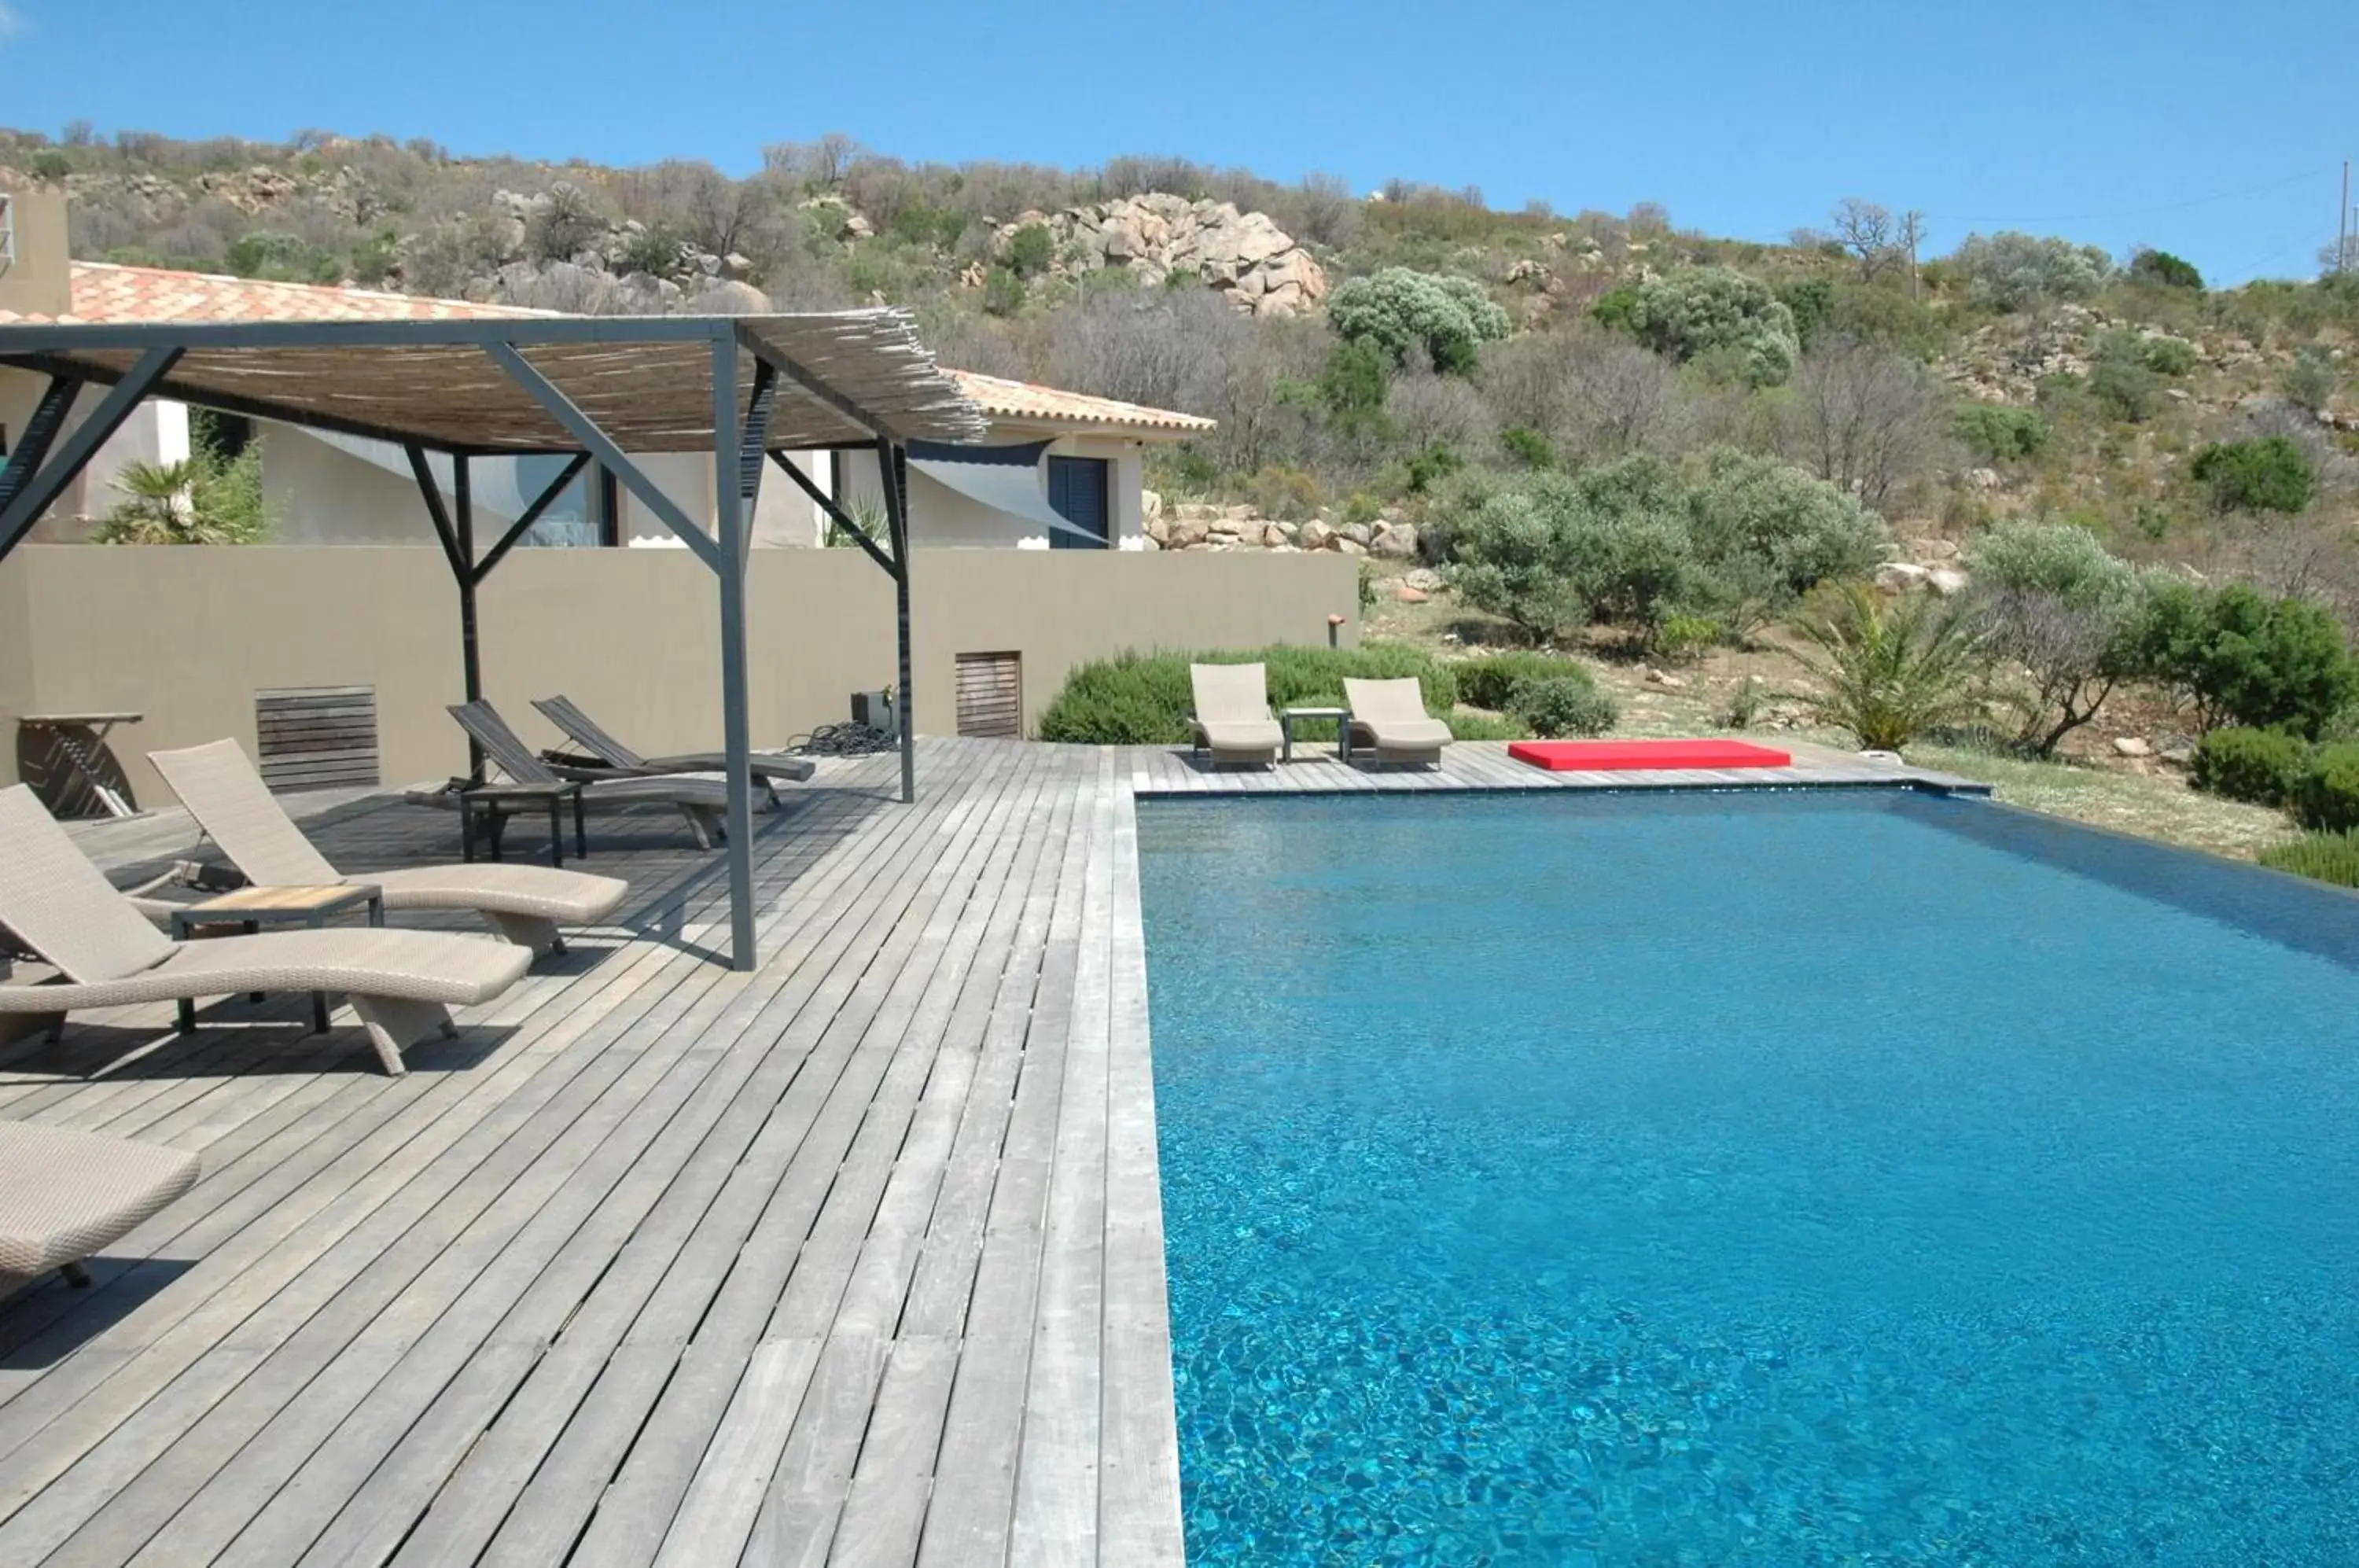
{"x": 2213, "y": 131}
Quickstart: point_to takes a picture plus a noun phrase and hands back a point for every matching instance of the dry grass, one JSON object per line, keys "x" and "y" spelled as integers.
{"x": 2152, "y": 805}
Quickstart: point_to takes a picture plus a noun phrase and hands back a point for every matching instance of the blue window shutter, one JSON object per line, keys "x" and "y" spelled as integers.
{"x": 1079, "y": 492}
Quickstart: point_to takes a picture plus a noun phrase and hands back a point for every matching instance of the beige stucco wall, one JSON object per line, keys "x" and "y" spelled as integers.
{"x": 40, "y": 282}
{"x": 187, "y": 635}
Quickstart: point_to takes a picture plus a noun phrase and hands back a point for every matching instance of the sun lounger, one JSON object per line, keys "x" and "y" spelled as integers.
{"x": 526, "y": 904}
{"x": 768, "y": 767}
{"x": 401, "y": 982}
{"x": 702, "y": 799}
{"x": 1390, "y": 716}
{"x": 1232, "y": 718}
{"x": 65, "y": 1195}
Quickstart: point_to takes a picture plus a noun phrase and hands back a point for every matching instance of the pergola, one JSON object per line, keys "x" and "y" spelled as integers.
{"x": 595, "y": 389}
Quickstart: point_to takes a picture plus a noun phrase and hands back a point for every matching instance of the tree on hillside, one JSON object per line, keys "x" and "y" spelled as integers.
{"x": 1865, "y": 229}
{"x": 1718, "y": 311}
{"x": 2064, "y": 610}
{"x": 2011, "y": 270}
{"x": 1867, "y": 419}
{"x": 1400, "y": 309}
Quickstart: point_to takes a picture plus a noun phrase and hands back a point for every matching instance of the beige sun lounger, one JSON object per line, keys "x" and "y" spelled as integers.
{"x": 65, "y": 1195}
{"x": 401, "y": 982}
{"x": 1389, "y": 717}
{"x": 766, "y": 767}
{"x": 1232, "y": 718}
{"x": 526, "y": 904}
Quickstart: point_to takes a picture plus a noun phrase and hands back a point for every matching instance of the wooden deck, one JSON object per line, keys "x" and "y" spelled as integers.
{"x": 856, "y": 1258}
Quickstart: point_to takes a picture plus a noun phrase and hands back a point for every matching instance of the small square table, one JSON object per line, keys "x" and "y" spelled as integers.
{"x": 251, "y": 909}
{"x": 494, "y": 800}
{"x": 1287, "y": 717}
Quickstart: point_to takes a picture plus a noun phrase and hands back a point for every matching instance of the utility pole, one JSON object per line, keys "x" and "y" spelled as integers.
{"x": 1913, "y": 228}
{"x": 2342, "y": 222}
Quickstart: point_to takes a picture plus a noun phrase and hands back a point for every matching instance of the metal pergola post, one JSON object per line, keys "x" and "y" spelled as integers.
{"x": 729, "y": 498}
{"x": 893, "y": 470}
{"x": 31, "y": 495}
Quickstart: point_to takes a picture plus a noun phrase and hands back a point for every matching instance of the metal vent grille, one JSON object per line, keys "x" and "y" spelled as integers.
{"x": 991, "y": 694}
{"x": 317, "y": 737}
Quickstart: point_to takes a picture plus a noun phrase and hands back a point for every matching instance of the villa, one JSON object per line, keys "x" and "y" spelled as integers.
{"x": 1006, "y": 1153}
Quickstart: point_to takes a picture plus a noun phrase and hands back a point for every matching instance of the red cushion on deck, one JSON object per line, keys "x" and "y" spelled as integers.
{"x": 1616, "y": 756}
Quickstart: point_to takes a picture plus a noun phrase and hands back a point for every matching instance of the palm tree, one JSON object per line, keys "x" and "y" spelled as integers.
{"x": 1889, "y": 674}
{"x": 202, "y": 499}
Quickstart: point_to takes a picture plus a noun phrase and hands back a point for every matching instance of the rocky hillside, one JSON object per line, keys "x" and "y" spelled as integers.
{"x": 1221, "y": 293}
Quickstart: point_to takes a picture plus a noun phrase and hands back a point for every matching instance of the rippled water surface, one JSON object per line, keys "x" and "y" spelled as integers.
{"x": 1860, "y": 1179}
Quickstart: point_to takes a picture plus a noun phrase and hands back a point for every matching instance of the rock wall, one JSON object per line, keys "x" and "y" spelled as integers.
{"x": 1245, "y": 255}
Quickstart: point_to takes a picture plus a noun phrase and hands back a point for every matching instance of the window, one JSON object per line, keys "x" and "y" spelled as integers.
{"x": 1079, "y": 492}
{"x": 227, "y": 436}
{"x": 567, "y": 523}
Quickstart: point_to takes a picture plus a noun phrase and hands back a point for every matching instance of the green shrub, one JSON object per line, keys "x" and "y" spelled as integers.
{"x": 206, "y": 499}
{"x": 1432, "y": 465}
{"x": 1616, "y": 309}
{"x": 2067, "y": 612}
{"x": 1003, "y": 292}
{"x": 2271, "y": 475}
{"x": 1812, "y": 302}
{"x": 1708, "y": 311}
{"x": 2310, "y": 382}
{"x": 2265, "y": 766}
{"x": 51, "y": 166}
{"x": 1137, "y": 699}
{"x": 2320, "y": 856}
{"x": 1487, "y": 682}
{"x": 2240, "y": 658}
{"x": 1554, "y": 706}
{"x": 1363, "y": 507}
{"x": 1687, "y": 636}
{"x": 1290, "y": 495}
{"x": 1029, "y": 251}
{"x": 1528, "y": 447}
{"x": 1997, "y": 433}
{"x": 2011, "y": 270}
{"x": 2326, "y": 799}
{"x": 1399, "y": 308}
{"x": 2167, "y": 355}
{"x": 1487, "y": 726}
{"x": 2164, "y": 270}
{"x": 2124, "y": 388}
{"x": 1352, "y": 385}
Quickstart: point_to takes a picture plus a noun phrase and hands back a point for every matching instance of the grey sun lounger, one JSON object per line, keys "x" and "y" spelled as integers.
{"x": 1232, "y": 718}
{"x": 525, "y": 904}
{"x": 1390, "y": 716}
{"x": 768, "y": 767}
{"x": 66, "y": 1194}
{"x": 702, "y": 799}
{"x": 107, "y": 954}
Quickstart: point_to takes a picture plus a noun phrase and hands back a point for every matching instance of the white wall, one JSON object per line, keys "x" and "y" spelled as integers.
{"x": 941, "y": 516}
{"x": 156, "y": 432}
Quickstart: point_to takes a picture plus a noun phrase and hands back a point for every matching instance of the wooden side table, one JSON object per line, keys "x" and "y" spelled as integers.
{"x": 496, "y": 802}
{"x": 1289, "y": 717}
{"x": 251, "y": 909}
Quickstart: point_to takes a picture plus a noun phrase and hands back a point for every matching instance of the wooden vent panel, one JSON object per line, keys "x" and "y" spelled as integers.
{"x": 317, "y": 737}
{"x": 991, "y": 694}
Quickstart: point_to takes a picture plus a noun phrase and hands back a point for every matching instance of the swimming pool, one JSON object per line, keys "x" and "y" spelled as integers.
{"x": 1762, "y": 1177}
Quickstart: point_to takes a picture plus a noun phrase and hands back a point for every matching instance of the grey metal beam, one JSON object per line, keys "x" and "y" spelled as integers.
{"x": 40, "y": 431}
{"x": 46, "y": 483}
{"x": 812, "y": 385}
{"x": 602, "y": 447}
{"x": 843, "y": 519}
{"x": 251, "y": 407}
{"x": 198, "y": 337}
{"x": 754, "y": 435}
{"x": 532, "y": 513}
{"x": 892, "y": 468}
{"x": 732, "y": 526}
{"x": 431, "y": 492}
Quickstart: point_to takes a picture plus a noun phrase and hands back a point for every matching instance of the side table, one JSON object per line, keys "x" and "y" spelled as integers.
{"x": 251, "y": 909}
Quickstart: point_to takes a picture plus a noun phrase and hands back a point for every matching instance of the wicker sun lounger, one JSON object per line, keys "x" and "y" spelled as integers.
{"x": 65, "y": 1195}
{"x": 768, "y": 767}
{"x": 1390, "y": 717}
{"x": 401, "y": 982}
{"x": 702, "y": 799}
{"x": 1232, "y": 718}
{"x": 526, "y": 904}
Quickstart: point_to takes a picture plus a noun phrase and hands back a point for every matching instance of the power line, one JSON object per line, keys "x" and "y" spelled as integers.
{"x": 2140, "y": 212}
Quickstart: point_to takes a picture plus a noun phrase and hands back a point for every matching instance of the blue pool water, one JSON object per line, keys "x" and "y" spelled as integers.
{"x": 1858, "y": 1178}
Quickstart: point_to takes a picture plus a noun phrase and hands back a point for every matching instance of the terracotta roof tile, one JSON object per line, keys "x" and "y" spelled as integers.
{"x": 1024, "y": 400}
